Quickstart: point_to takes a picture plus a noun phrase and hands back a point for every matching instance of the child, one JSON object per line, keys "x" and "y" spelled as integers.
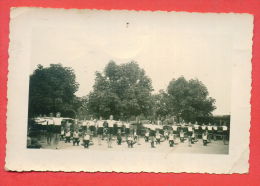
{"x": 190, "y": 132}
{"x": 182, "y": 136}
{"x": 158, "y": 137}
{"x": 171, "y": 139}
{"x": 215, "y": 131}
{"x": 76, "y": 138}
{"x": 67, "y": 136}
{"x": 130, "y": 141}
{"x": 146, "y": 137}
{"x": 205, "y": 138}
{"x": 166, "y": 135}
{"x": 86, "y": 140}
{"x": 152, "y": 139}
{"x": 62, "y": 133}
{"x": 119, "y": 137}
{"x": 210, "y": 132}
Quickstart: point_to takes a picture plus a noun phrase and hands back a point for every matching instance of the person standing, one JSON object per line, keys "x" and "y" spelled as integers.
{"x": 100, "y": 124}
{"x": 86, "y": 139}
{"x": 50, "y": 131}
{"x": 210, "y": 132}
{"x": 76, "y": 137}
{"x": 224, "y": 133}
{"x": 190, "y": 132}
{"x": 171, "y": 139}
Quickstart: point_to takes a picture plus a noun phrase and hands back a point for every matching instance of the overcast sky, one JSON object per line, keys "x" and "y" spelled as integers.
{"x": 166, "y": 46}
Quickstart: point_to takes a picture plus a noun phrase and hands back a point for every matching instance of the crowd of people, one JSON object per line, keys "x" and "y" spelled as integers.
{"x": 108, "y": 131}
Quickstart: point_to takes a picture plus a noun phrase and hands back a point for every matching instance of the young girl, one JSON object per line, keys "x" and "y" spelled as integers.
{"x": 86, "y": 140}
{"x": 171, "y": 139}
{"x": 205, "y": 138}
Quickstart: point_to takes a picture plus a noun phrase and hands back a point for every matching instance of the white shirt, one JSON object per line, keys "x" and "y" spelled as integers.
{"x": 87, "y": 137}
{"x": 203, "y": 127}
{"x": 111, "y": 123}
{"x": 171, "y": 137}
{"x": 174, "y": 127}
{"x": 100, "y": 123}
{"x": 119, "y": 124}
{"x": 196, "y": 126}
{"x": 91, "y": 123}
{"x": 182, "y": 134}
{"x": 127, "y": 125}
{"x": 215, "y": 128}
{"x": 224, "y": 128}
{"x": 158, "y": 136}
{"x": 67, "y": 134}
{"x": 57, "y": 121}
{"x": 204, "y": 137}
{"x": 84, "y": 123}
{"x": 190, "y": 129}
{"x": 75, "y": 134}
{"x": 210, "y": 127}
{"x": 50, "y": 121}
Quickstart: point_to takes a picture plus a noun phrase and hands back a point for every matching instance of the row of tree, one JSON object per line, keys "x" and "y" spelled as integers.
{"x": 124, "y": 91}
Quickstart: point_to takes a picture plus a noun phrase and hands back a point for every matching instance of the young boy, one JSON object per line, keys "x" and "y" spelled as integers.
{"x": 76, "y": 138}
{"x": 86, "y": 140}
{"x": 210, "y": 132}
{"x": 205, "y": 138}
{"x": 171, "y": 139}
{"x": 67, "y": 136}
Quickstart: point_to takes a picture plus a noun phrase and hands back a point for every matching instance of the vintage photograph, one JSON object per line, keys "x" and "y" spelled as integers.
{"x": 173, "y": 94}
{"x": 163, "y": 84}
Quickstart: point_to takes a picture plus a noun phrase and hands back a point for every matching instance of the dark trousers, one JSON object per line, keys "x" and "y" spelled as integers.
{"x": 158, "y": 141}
{"x": 76, "y": 141}
{"x": 67, "y": 139}
{"x": 86, "y": 143}
{"x": 146, "y": 138}
{"x": 171, "y": 142}
{"x": 130, "y": 143}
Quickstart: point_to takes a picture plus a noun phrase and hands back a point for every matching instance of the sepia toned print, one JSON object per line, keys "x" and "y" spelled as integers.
{"x": 121, "y": 88}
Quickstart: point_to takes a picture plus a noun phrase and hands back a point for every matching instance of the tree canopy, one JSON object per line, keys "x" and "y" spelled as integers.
{"x": 52, "y": 90}
{"x": 121, "y": 90}
{"x": 189, "y": 100}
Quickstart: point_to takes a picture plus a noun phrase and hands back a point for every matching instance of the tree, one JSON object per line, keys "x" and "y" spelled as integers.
{"x": 189, "y": 99}
{"x": 52, "y": 90}
{"x": 121, "y": 90}
{"x": 160, "y": 104}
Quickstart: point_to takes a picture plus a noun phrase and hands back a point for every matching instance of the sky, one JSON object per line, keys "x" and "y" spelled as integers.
{"x": 165, "y": 45}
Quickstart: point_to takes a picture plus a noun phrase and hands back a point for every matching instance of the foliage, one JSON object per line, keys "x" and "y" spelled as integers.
{"x": 52, "y": 90}
{"x": 121, "y": 90}
{"x": 189, "y": 100}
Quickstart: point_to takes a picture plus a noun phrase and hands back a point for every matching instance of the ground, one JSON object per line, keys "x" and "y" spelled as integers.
{"x": 214, "y": 147}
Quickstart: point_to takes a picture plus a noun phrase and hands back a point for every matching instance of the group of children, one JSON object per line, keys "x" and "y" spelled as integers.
{"x": 190, "y": 132}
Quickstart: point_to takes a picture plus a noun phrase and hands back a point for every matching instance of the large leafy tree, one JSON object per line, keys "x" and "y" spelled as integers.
{"x": 189, "y": 99}
{"x": 121, "y": 90}
{"x": 52, "y": 90}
